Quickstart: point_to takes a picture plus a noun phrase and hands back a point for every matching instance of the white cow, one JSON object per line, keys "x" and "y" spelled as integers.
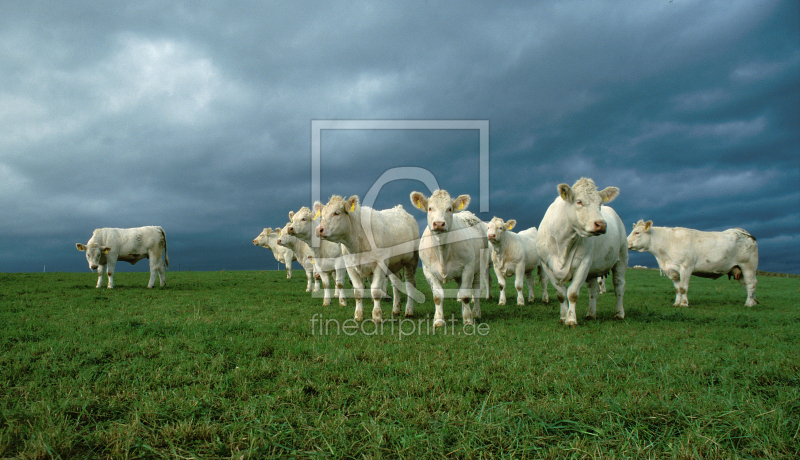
{"x": 303, "y": 253}
{"x": 327, "y": 257}
{"x": 108, "y": 245}
{"x": 375, "y": 244}
{"x": 515, "y": 254}
{"x": 453, "y": 247}
{"x": 682, "y": 252}
{"x": 580, "y": 240}
{"x": 268, "y": 239}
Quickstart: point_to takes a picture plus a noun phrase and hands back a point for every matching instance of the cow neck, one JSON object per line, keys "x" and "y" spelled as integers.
{"x": 316, "y": 252}
{"x": 502, "y": 245}
{"x": 356, "y": 240}
{"x": 566, "y": 250}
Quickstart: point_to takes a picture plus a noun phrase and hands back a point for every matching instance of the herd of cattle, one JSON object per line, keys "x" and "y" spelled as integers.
{"x": 579, "y": 239}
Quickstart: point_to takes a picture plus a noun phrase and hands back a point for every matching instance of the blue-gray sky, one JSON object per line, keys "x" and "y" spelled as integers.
{"x": 196, "y": 116}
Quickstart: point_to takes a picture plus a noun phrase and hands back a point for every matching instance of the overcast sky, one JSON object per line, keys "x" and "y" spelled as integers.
{"x": 196, "y": 116}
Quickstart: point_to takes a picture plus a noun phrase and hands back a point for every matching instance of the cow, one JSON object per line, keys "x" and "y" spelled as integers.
{"x": 375, "y": 244}
{"x": 327, "y": 257}
{"x": 515, "y": 254}
{"x": 682, "y": 252}
{"x": 302, "y": 253}
{"x": 109, "y": 245}
{"x": 580, "y": 240}
{"x": 268, "y": 239}
{"x": 453, "y": 246}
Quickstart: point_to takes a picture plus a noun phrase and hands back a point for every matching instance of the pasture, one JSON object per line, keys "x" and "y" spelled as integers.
{"x": 226, "y": 365}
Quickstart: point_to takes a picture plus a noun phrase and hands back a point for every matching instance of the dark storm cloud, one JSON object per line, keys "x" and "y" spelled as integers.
{"x": 197, "y": 117}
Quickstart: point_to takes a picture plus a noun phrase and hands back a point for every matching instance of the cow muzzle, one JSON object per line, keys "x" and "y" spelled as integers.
{"x": 93, "y": 267}
{"x": 438, "y": 226}
{"x": 320, "y": 231}
{"x": 599, "y": 227}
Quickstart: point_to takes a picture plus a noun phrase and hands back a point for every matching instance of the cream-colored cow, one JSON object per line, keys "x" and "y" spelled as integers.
{"x": 515, "y": 254}
{"x": 303, "y": 254}
{"x": 580, "y": 240}
{"x": 268, "y": 239}
{"x": 682, "y": 252}
{"x": 375, "y": 244}
{"x": 453, "y": 247}
{"x": 327, "y": 256}
{"x": 109, "y": 245}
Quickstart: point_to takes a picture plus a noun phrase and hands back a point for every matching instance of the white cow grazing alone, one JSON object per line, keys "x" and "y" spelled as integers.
{"x": 682, "y": 252}
{"x": 453, "y": 247}
{"x": 375, "y": 244}
{"x": 327, "y": 257}
{"x": 580, "y": 240}
{"x": 303, "y": 253}
{"x": 515, "y": 254}
{"x": 268, "y": 239}
{"x": 108, "y": 245}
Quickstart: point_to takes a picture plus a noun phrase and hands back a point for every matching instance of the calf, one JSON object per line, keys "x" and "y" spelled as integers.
{"x": 682, "y": 252}
{"x": 515, "y": 254}
{"x": 375, "y": 244}
{"x": 580, "y": 240}
{"x": 268, "y": 239}
{"x": 108, "y": 245}
{"x": 453, "y": 246}
{"x": 303, "y": 254}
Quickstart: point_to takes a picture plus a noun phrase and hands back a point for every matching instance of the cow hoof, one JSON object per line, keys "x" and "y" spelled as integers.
{"x": 358, "y": 316}
{"x": 520, "y": 303}
{"x": 409, "y": 315}
{"x": 325, "y": 303}
{"x": 501, "y": 302}
{"x": 395, "y": 311}
{"x": 469, "y": 322}
{"x": 571, "y": 324}
{"x": 438, "y": 323}
{"x": 343, "y": 303}
{"x": 591, "y": 317}
{"x": 619, "y": 317}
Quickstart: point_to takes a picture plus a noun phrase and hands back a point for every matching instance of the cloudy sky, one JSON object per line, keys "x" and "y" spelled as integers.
{"x": 197, "y": 116}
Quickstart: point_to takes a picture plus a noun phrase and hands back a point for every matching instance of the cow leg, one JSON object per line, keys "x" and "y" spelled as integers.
{"x": 683, "y": 288}
{"x": 573, "y": 292}
{"x": 675, "y": 276}
{"x": 358, "y": 293}
{"x": 748, "y": 281}
{"x": 340, "y": 286}
{"x": 396, "y": 295}
{"x": 593, "y": 288}
{"x": 153, "y": 271}
{"x": 410, "y": 275}
{"x": 543, "y": 282}
{"x": 465, "y": 293}
{"x": 530, "y": 279}
{"x": 519, "y": 283}
{"x": 501, "y": 283}
{"x": 309, "y": 277}
{"x": 326, "y": 293}
{"x": 486, "y": 277}
{"x": 110, "y": 273}
{"x": 618, "y": 280}
{"x": 438, "y": 297}
{"x": 476, "y": 288}
{"x": 288, "y": 262}
{"x": 101, "y": 269}
{"x": 379, "y": 282}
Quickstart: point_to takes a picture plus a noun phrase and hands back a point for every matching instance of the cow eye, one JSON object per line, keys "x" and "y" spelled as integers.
{"x": 449, "y": 209}
{"x": 430, "y": 209}
{"x": 579, "y": 203}
{"x": 336, "y": 213}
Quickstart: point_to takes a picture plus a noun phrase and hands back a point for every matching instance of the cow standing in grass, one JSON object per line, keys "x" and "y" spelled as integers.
{"x": 453, "y": 247}
{"x": 682, "y": 252}
{"x": 580, "y": 240}
{"x": 109, "y": 245}
{"x": 303, "y": 254}
{"x": 327, "y": 257}
{"x": 376, "y": 244}
{"x": 268, "y": 239}
{"x": 515, "y": 254}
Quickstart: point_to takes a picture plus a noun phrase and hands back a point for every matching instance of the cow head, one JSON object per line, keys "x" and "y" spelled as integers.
{"x": 334, "y": 223}
{"x": 263, "y": 238}
{"x": 639, "y": 239}
{"x": 497, "y": 227}
{"x": 95, "y": 254}
{"x": 440, "y": 208}
{"x": 284, "y": 238}
{"x": 301, "y": 223}
{"x": 583, "y": 206}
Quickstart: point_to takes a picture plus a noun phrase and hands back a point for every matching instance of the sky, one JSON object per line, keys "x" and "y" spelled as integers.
{"x": 197, "y": 116}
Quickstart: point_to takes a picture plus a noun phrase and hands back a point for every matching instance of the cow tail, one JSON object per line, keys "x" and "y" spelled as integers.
{"x": 164, "y": 237}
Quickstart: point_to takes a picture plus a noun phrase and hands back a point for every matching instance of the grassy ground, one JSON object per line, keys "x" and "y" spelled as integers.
{"x": 227, "y": 365}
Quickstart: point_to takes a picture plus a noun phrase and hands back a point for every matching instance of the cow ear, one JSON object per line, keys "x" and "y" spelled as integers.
{"x": 565, "y": 192}
{"x": 647, "y": 225}
{"x": 609, "y": 194}
{"x": 510, "y": 224}
{"x": 291, "y": 216}
{"x": 105, "y": 250}
{"x": 419, "y": 201}
{"x": 352, "y": 202}
{"x": 80, "y": 247}
{"x": 461, "y": 203}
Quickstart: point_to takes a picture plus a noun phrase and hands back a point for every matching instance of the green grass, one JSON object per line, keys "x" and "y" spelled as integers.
{"x": 225, "y": 365}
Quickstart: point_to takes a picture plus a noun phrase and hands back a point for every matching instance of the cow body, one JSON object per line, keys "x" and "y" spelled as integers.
{"x": 375, "y": 244}
{"x": 453, "y": 247}
{"x": 109, "y": 245}
{"x": 327, "y": 257}
{"x": 580, "y": 240}
{"x": 682, "y": 252}
{"x": 268, "y": 238}
{"x": 515, "y": 254}
{"x": 303, "y": 254}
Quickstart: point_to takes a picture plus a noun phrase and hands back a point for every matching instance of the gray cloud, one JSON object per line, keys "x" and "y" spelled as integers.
{"x": 198, "y": 117}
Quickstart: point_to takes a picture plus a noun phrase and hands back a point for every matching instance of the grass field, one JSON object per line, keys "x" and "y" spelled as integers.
{"x": 226, "y": 365}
